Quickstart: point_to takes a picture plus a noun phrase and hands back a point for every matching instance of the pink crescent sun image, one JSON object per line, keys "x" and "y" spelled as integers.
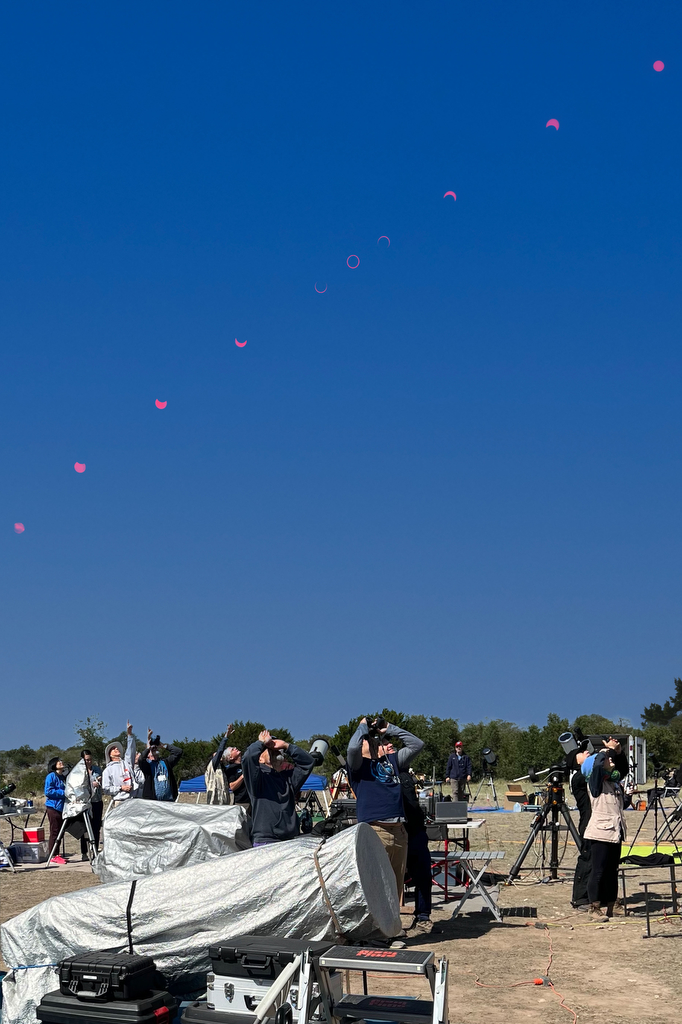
{"x": 19, "y": 527}
{"x": 79, "y": 467}
{"x": 658, "y": 65}
{"x": 318, "y": 290}
{"x": 160, "y": 405}
{"x": 239, "y": 343}
{"x": 552, "y": 123}
{"x": 450, "y": 194}
{"x": 386, "y": 237}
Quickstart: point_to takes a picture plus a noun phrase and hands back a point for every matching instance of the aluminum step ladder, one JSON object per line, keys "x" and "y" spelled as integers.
{"x": 379, "y": 1007}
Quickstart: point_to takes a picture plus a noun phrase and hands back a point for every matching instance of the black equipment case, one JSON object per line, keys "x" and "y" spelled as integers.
{"x": 152, "y": 1008}
{"x": 108, "y": 988}
{"x": 100, "y": 977}
{"x": 260, "y": 956}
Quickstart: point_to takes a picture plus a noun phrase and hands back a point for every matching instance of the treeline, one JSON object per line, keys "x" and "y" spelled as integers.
{"x": 517, "y": 749}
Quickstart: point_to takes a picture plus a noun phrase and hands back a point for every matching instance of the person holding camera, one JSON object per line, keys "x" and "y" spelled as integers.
{"x": 156, "y": 763}
{"x": 606, "y": 831}
{"x": 578, "y": 786}
{"x": 273, "y": 785}
{"x": 375, "y": 777}
{"x": 122, "y": 779}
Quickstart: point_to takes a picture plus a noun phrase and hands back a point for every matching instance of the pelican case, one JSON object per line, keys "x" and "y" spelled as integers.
{"x": 152, "y": 1008}
{"x": 260, "y": 956}
{"x": 100, "y": 977}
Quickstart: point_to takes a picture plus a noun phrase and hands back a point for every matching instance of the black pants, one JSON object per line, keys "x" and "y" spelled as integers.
{"x": 97, "y": 808}
{"x": 584, "y": 863}
{"x": 603, "y": 882}
{"x": 419, "y": 871}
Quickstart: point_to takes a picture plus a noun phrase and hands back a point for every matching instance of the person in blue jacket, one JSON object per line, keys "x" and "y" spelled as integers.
{"x": 459, "y": 772}
{"x": 55, "y": 784}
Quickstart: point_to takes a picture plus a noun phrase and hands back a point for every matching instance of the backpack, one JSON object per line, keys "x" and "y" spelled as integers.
{"x": 217, "y": 791}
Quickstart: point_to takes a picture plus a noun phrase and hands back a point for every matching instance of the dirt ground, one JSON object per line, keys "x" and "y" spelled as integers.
{"x": 606, "y": 972}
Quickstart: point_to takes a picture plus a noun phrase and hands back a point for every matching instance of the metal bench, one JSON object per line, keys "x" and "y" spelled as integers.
{"x": 474, "y": 863}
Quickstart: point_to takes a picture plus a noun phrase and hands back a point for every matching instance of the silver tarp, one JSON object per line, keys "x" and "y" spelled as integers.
{"x": 77, "y": 791}
{"x": 271, "y": 890}
{"x": 146, "y": 837}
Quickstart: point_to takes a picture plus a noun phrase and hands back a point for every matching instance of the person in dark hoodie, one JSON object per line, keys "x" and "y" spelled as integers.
{"x": 274, "y": 788}
{"x": 55, "y": 783}
{"x": 606, "y": 831}
{"x": 156, "y": 764}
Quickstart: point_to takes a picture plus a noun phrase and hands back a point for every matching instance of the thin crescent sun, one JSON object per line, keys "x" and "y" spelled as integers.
{"x": 239, "y": 343}
{"x": 450, "y": 194}
{"x": 383, "y": 236}
{"x": 318, "y": 290}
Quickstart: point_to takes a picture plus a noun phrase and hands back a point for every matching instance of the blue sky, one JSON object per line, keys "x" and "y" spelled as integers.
{"x": 449, "y": 484}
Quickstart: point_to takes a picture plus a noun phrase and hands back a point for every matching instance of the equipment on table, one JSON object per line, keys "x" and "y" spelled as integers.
{"x": 554, "y": 805}
{"x": 453, "y": 812}
{"x": 11, "y": 808}
{"x": 108, "y": 988}
{"x": 308, "y": 989}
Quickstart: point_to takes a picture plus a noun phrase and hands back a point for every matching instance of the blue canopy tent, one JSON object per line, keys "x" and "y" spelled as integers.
{"x": 313, "y": 784}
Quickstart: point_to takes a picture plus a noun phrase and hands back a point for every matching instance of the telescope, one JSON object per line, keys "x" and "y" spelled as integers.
{"x": 318, "y": 750}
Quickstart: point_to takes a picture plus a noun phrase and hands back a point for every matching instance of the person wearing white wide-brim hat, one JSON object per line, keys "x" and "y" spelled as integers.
{"x": 118, "y": 778}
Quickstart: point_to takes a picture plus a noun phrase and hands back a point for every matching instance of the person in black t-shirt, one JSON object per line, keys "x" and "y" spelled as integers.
{"x": 229, "y": 759}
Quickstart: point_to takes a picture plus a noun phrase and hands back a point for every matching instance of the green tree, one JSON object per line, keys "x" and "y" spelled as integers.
{"x": 91, "y": 734}
{"x": 593, "y": 725}
{"x": 655, "y": 714}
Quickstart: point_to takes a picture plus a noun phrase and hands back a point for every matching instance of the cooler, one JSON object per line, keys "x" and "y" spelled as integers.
{"x": 29, "y": 853}
{"x": 243, "y": 969}
{"x": 34, "y": 835}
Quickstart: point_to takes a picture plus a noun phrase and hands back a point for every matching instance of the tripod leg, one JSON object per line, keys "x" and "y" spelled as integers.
{"x": 571, "y": 827}
{"x": 55, "y": 848}
{"x": 534, "y": 832}
{"x": 492, "y": 786}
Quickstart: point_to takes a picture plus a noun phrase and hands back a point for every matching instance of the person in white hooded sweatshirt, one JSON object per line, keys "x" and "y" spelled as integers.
{"x": 121, "y": 778}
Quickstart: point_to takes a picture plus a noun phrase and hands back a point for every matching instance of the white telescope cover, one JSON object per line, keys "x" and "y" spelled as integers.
{"x": 77, "y": 791}
{"x": 145, "y": 837}
{"x": 271, "y": 890}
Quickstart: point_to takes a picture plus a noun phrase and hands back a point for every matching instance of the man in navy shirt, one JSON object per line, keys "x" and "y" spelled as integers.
{"x": 375, "y": 776}
{"x": 459, "y": 772}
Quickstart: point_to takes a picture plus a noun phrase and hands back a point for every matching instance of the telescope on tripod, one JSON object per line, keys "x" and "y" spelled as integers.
{"x": 547, "y": 819}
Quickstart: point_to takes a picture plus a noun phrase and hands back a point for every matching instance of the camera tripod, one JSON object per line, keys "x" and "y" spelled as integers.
{"x": 90, "y": 840}
{"x": 489, "y": 781}
{"x": 554, "y": 806}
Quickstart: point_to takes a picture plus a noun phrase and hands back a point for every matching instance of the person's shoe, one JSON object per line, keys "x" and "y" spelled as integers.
{"x": 615, "y": 910}
{"x": 595, "y": 909}
{"x": 84, "y": 856}
{"x": 398, "y": 943}
{"x": 581, "y": 906}
{"x": 58, "y": 860}
{"x": 424, "y": 925}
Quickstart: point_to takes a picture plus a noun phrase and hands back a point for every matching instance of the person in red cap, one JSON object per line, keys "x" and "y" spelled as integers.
{"x": 459, "y": 771}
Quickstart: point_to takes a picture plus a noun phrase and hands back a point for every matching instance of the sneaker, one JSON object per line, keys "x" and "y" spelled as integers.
{"x": 595, "y": 910}
{"x": 615, "y": 910}
{"x": 398, "y": 944}
{"x": 424, "y": 925}
{"x": 58, "y": 860}
{"x": 84, "y": 856}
